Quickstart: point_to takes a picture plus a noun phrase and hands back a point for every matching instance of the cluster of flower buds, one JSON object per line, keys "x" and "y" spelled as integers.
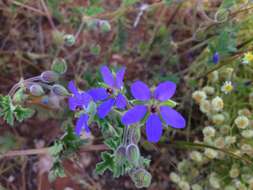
{"x": 43, "y": 89}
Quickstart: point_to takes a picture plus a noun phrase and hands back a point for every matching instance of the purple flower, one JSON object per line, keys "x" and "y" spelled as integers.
{"x": 79, "y": 100}
{"x": 110, "y": 94}
{"x": 216, "y": 58}
{"x": 153, "y": 104}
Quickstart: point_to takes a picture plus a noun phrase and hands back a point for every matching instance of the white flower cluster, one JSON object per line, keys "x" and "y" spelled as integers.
{"x": 227, "y": 137}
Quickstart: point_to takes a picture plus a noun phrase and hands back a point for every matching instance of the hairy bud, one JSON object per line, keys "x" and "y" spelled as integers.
{"x": 133, "y": 154}
{"x": 36, "y": 90}
{"x": 120, "y": 155}
{"x": 141, "y": 178}
{"x": 59, "y": 90}
{"x": 49, "y": 76}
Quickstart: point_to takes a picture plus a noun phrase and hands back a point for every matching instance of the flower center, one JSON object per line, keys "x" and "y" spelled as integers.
{"x": 153, "y": 109}
{"x": 109, "y": 91}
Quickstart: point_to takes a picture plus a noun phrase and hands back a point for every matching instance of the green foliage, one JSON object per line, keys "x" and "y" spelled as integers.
{"x": 228, "y": 3}
{"x": 107, "y": 163}
{"x": 93, "y": 10}
{"x": 7, "y": 142}
{"x": 10, "y": 112}
{"x": 121, "y": 38}
{"x": 129, "y": 2}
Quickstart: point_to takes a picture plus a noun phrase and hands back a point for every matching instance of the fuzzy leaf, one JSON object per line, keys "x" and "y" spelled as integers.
{"x": 22, "y": 114}
{"x": 107, "y": 163}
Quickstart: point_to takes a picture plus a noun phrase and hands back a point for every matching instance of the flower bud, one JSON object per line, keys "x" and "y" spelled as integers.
{"x": 104, "y": 26}
{"x": 36, "y": 90}
{"x": 141, "y": 178}
{"x": 120, "y": 155}
{"x": 242, "y": 122}
{"x": 133, "y": 154}
{"x": 59, "y": 90}
{"x": 49, "y": 76}
{"x": 217, "y": 104}
{"x": 174, "y": 177}
{"x": 69, "y": 40}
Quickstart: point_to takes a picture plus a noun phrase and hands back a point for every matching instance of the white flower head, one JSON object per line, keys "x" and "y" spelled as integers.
{"x": 242, "y": 122}
{"x": 227, "y": 87}
{"x": 217, "y": 104}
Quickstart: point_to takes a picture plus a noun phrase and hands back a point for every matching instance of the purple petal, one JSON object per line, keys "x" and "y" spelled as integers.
{"x": 165, "y": 91}
{"x": 105, "y": 108}
{"x": 72, "y": 103}
{"x": 81, "y": 123}
{"x": 140, "y": 91}
{"x": 121, "y": 101}
{"x": 84, "y": 99}
{"x": 154, "y": 128}
{"x": 134, "y": 115}
{"x": 98, "y": 94}
{"x": 172, "y": 117}
{"x": 119, "y": 77}
{"x": 72, "y": 88}
{"x": 107, "y": 76}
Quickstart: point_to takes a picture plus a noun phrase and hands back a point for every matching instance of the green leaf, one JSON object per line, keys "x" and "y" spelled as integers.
{"x": 227, "y": 3}
{"x": 22, "y": 114}
{"x": 6, "y": 109}
{"x": 168, "y": 2}
{"x": 56, "y": 149}
{"x": 129, "y": 2}
{"x": 93, "y": 10}
{"x": 169, "y": 103}
{"x": 107, "y": 163}
{"x": 121, "y": 37}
